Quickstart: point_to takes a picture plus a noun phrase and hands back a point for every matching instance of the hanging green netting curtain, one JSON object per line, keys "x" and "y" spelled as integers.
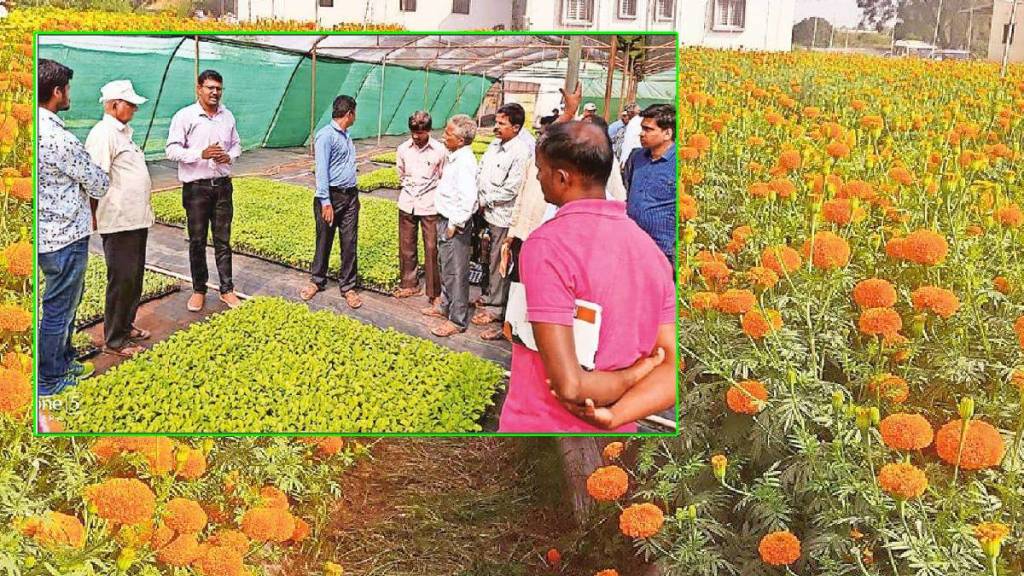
{"x": 267, "y": 90}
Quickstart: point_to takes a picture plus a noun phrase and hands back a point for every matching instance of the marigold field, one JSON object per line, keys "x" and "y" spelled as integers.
{"x": 852, "y": 318}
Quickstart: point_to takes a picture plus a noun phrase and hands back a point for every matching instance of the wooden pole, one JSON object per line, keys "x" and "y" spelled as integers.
{"x": 380, "y": 109}
{"x": 312, "y": 104}
{"x": 625, "y": 76}
{"x": 197, "y": 59}
{"x": 608, "y": 82}
{"x": 572, "y": 72}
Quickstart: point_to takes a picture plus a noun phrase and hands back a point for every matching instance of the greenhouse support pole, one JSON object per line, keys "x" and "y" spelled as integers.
{"x": 608, "y": 82}
{"x": 197, "y": 59}
{"x": 380, "y": 108}
{"x": 572, "y": 72}
{"x": 625, "y": 76}
{"x": 312, "y": 104}
{"x": 1012, "y": 31}
{"x": 483, "y": 101}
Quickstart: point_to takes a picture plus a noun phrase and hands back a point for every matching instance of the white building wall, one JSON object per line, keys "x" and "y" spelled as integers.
{"x": 544, "y": 15}
{"x": 430, "y": 15}
{"x": 768, "y": 25}
{"x": 1000, "y": 19}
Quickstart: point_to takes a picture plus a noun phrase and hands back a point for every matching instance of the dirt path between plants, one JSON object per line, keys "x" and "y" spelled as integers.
{"x": 458, "y": 507}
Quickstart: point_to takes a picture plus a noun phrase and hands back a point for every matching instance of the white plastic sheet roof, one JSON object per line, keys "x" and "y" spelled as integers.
{"x": 492, "y": 55}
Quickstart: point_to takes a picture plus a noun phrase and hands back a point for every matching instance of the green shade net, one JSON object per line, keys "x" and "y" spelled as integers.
{"x": 267, "y": 90}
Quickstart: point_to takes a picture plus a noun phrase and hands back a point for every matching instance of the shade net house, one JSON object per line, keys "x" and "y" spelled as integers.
{"x": 280, "y": 87}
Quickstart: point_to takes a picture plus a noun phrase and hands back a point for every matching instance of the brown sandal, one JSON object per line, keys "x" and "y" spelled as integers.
{"x": 445, "y": 330}
{"x": 407, "y": 292}
{"x": 492, "y": 335}
{"x": 432, "y": 311}
{"x": 352, "y": 299}
{"x": 309, "y": 291}
{"x": 139, "y": 334}
{"x": 126, "y": 351}
{"x": 484, "y": 318}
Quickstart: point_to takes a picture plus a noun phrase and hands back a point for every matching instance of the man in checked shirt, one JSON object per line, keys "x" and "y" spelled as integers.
{"x": 501, "y": 176}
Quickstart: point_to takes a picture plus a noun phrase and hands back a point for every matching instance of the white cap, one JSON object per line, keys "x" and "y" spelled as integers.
{"x": 121, "y": 90}
{"x": 590, "y": 106}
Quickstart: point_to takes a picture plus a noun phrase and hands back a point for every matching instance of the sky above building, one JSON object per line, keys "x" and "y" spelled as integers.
{"x": 839, "y": 12}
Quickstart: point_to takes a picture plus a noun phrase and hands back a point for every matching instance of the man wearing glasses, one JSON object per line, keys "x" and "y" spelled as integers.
{"x": 204, "y": 142}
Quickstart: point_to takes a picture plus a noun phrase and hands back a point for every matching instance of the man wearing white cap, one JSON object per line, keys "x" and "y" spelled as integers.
{"x": 123, "y": 216}
{"x": 589, "y": 109}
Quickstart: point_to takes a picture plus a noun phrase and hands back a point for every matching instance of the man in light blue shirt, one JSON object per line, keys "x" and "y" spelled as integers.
{"x": 68, "y": 178}
{"x": 336, "y": 202}
{"x": 615, "y": 127}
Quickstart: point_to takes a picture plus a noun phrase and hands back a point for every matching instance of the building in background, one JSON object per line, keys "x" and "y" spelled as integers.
{"x": 1002, "y": 33}
{"x": 410, "y": 14}
{"x": 598, "y": 15}
{"x": 738, "y": 24}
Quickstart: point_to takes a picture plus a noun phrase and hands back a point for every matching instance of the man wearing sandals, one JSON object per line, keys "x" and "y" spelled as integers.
{"x": 502, "y": 172}
{"x": 419, "y": 161}
{"x": 456, "y": 202}
{"x": 123, "y": 215}
{"x": 204, "y": 141}
{"x": 67, "y": 177}
{"x": 336, "y": 202}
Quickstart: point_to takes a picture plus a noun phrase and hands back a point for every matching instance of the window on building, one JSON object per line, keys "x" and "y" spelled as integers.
{"x": 1008, "y": 31}
{"x": 665, "y": 10}
{"x": 627, "y": 8}
{"x": 577, "y": 11}
{"x": 460, "y": 6}
{"x": 407, "y": 5}
{"x": 326, "y": 3}
{"x": 730, "y": 15}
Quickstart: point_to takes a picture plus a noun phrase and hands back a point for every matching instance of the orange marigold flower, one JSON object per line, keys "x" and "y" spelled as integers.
{"x": 219, "y": 561}
{"x": 762, "y": 277}
{"x": 715, "y": 273}
{"x": 185, "y": 516}
{"x": 687, "y": 207}
{"x": 641, "y": 520}
{"x": 779, "y": 548}
{"x": 607, "y": 484}
{"x": 757, "y": 325}
{"x": 837, "y": 150}
{"x": 759, "y": 190}
{"x": 782, "y": 187}
{"x": 704, "y": 300}
{"x": 14, "y": 318}
{"x": 15, "y": 392}
{"x": 790, "y": 160}
{"x": 874, "y": 293}
{"x": 901, "y": 175}
{"x": 268, "y": 524}
{"x": 162, "y": 536}
{"x": 192, "y": 463}
{"x": 924, "y": 247}
{"x": 553, "y": 557}
{"x": 780, "y": 259}
{"x": 1017, "y": 379}
{"x": 736, "y": 301}
{"x": 902, "y": 431}
{"x": 742, "y": 233}
{"x": 857, "y": 189}
{"x": 272, "y": 497}
{"x": 55, "y": 530}
{"x": 181, "y": 551}
{"x": 1018, "y": 328}
{"x": 700, "y": 142}
{"x": 301, "y": 531}
{"x": 879, "y": 321}
{"x": 902, "y": 480}
{"x": 872, "y": 122}
{"x": 938, "y": 300}
{"x": 122, "y": 500}
{"x": 233, "y": 539}
{"x": 991, "y": 536}
{"x": 1010, "y": 216}
{"x": 613, "y": 450}
{"x": 21, "y": 188}
{"x": 1002, "y": 284}
{"x": 891, "y": 387}
{"x": 741, "y": 402}
{"x": 708, "y": 256}
{"x": 838, "y": 211}
{"x": 607, "y": 572}
{"x": 982, "y": 448}
{"x": 20, "y": 258}
{"x": 827, "y": 250}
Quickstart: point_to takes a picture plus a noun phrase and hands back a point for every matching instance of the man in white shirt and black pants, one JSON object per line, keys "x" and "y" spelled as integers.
{"x": 123, "y": 216}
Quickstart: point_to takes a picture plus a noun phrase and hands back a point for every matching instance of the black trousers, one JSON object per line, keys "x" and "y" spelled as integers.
{"x": 346, "y": 221}
{"x": 125, "y": 253}
{"x": 208, "y": 205}
{"x": 454, "y": 256}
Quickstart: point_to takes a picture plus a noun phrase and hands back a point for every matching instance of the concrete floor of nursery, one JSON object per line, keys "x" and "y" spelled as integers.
{"x": 167, "y": 251}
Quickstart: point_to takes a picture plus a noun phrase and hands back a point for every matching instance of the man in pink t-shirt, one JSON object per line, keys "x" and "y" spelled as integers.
{"x": 590, "y": 251}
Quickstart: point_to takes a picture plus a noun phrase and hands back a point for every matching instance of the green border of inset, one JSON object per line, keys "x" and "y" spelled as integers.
{"x": 186, "y": 34}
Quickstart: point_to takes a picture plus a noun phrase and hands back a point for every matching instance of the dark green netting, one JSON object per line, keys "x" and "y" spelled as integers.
{"x": 141, "y": 60}
{"x": 267, "y": 90}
